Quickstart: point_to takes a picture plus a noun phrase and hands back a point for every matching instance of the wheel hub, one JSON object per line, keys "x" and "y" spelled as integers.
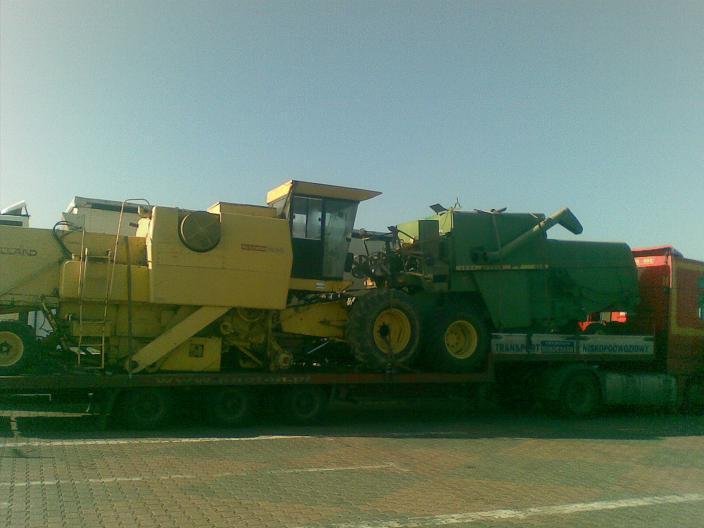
{"x": 392, "y": 331}
{"x": 461, "y": 339}
{"x": 11, "y": 349}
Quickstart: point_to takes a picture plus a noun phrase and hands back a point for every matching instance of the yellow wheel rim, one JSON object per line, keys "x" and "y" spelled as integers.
{"x": 11, "y": 348}
{"x": 461, "y": 339}
{"x": 392, "y": 331}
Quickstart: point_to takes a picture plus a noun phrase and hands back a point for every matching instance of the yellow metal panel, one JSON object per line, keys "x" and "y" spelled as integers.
{"x": 319, "y": 285}
{"x": 250, "y": 267}
{"x": 143, "y": 227}
{"x": 319, "y": 189}
{"x": 96, "y": 280}
{"x": 102, "y": 245}
{"x": 229, "y": 288}
{"x": 198, "y": 354}
{"x": 93, "y": 310}
{"x": 232, "y": 208}
{"x": 175, "y": 336}
{"x": 171, "y": 318}
{"x": 146, "y": 318}
{"x": 29, "y": 265}
{"x": 278, "y": 192}
{"x": 91, "y": 328}
{"x": 321, "y": 319}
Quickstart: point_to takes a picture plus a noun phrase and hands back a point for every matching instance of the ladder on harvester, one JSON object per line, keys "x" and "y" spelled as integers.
{"x": 92, "y": 333}
{"x": 99, "y": 342}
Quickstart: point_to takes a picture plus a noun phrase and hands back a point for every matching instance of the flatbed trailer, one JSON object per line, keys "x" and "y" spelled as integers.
{"x": 571, "y": 373}
{"x": 303, "y": 396}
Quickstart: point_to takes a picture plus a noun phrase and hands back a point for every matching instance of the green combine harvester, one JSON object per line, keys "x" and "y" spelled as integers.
{"x": 470, "y": 274}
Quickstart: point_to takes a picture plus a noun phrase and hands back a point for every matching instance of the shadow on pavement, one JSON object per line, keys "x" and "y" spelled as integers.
{"x": 421, "y": 420}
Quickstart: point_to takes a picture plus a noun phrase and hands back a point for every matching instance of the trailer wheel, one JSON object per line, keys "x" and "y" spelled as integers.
{"x": 305, "y": 404}
{"x": 383, "y": 328}
{"x": 694, "y": 397}
{"x": 517, "y": 391}
{"x": 229, "y": 406}
{"x": 147, "y": 408}
{"x": 458, "y": 341}
{"x": 580, "y": 395}
{"x": 18, "y": 347}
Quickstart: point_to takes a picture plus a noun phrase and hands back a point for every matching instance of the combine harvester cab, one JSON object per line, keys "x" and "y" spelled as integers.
{"x": 379, "y": 326}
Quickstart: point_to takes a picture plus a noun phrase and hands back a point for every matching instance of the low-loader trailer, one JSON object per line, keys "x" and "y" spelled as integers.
{"x": 239, "y": 303}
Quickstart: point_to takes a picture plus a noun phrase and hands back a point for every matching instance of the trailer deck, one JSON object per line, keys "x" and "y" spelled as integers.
{"x": 63, "y": 382}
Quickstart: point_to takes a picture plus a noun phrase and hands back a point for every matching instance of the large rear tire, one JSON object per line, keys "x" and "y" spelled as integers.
{"x": 383, "y": 328}
{"x": 458, "y": 341}
{"x": 18, "y": 347}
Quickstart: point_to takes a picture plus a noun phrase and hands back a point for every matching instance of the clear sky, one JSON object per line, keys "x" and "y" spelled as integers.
{"x": 533, "y": 105}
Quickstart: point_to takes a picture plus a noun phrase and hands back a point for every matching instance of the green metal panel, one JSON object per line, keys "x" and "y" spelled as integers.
{"x": 474, "y": 234}
{"x": 507, "y": 297}
{"x": 526, "y": 281}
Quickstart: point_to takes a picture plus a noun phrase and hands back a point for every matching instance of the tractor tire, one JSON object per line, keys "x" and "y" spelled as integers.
{"x": 304, "y": 404}
{"x": 229, "y": 406}
{"x": 18, "y": 347}
{"x": 580, "y": 395}
{"x": 458, "y": 341}
{"x": 148, "y": 408}
{"x": 383, "y": 329}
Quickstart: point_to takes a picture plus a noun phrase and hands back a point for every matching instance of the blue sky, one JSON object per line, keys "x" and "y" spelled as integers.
{"x": 598, "y": 106}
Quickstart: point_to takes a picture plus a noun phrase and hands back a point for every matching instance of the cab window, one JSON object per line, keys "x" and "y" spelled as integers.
{"x": 306, "y": 220}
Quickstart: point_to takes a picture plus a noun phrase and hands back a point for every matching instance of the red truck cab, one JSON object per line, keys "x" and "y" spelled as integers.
{"x": 672, "y": 309}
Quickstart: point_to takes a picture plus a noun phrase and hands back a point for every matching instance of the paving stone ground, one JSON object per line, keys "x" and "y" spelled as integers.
{"x": 388, "y": 466}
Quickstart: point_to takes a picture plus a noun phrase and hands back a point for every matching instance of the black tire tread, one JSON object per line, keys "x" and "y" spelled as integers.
{"x": 289, "y": 409}
{"x": 134, "y": 421}
{"x": 359, "y": 331}
{"x": 437, "y": 356}
{"x": 563, "y": 402}
{"x": 216, "y": 417}
{"x": 26, "y": 333}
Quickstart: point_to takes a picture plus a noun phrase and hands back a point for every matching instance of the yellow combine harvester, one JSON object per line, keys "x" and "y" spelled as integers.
{"x": 233, "y": 287}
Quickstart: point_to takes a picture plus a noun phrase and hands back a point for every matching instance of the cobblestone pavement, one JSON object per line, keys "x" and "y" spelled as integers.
{"x": 380, "y": 467}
